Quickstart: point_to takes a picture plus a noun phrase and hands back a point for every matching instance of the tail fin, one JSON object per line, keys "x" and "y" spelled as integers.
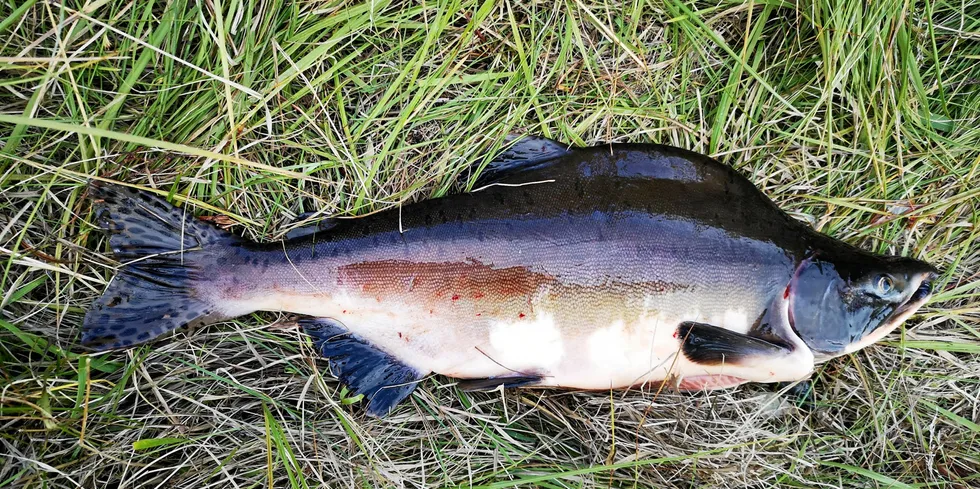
{"x": 160, "y": 247}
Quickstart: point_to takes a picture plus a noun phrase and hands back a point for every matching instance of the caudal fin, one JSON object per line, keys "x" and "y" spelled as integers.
{"x": 161, "y": 249}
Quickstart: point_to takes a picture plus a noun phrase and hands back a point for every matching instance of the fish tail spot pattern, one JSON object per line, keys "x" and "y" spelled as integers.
{"x": 158, "y": 246}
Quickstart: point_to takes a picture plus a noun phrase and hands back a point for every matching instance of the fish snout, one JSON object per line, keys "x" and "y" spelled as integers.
{"x": 924, "y": 289}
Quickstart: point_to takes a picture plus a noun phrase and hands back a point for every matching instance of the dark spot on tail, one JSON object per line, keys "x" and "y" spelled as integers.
{"x": 160, "y": 246}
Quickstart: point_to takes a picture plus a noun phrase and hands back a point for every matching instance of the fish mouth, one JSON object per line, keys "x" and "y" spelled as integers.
{"x": 922, "y": 294}
{"x": 918, "y": 298}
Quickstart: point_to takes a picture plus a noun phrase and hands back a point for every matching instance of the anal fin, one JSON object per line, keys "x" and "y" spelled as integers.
{"x": 706, "y": 344}
{"x": 492, "y": 383}
{"x": 383, "y": 379}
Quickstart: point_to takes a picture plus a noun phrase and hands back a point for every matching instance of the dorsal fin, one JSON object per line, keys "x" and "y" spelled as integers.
{"x": 527, "y": 153}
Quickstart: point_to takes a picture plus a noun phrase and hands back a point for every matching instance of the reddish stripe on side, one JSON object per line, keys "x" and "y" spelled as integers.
{"x": 434, "y": 282}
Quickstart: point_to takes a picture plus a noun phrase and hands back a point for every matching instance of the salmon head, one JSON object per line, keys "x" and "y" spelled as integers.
{"x": 841, "y": 304}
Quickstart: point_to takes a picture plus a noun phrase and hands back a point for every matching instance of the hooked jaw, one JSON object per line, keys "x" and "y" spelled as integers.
{"x": 839, "y": 307}
{"x": 923, "y": 291}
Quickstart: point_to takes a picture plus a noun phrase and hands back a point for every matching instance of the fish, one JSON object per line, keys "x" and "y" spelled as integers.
{"x": 614, "y": 266}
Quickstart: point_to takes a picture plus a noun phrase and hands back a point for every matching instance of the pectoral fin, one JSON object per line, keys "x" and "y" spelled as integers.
{"x": 801, "y": 393}
{"x": 383, "y": 379}
{"x": 705, "y": 344}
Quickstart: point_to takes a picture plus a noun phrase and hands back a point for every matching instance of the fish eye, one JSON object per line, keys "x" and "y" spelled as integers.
{"x": 884, "y": 284}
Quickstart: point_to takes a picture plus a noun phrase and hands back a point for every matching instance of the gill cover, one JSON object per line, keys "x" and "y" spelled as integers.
{"x": 834, "y": 305}
{"x": 817, "y": 311}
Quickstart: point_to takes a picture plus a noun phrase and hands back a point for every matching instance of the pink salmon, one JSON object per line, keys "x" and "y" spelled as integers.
{"x": 591, "y": 268}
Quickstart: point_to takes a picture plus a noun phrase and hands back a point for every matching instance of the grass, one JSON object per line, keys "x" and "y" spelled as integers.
{"x": 862, "y": 118}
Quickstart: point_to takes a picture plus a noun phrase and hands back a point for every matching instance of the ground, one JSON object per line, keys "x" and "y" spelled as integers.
{"x": 861, "y": 118}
